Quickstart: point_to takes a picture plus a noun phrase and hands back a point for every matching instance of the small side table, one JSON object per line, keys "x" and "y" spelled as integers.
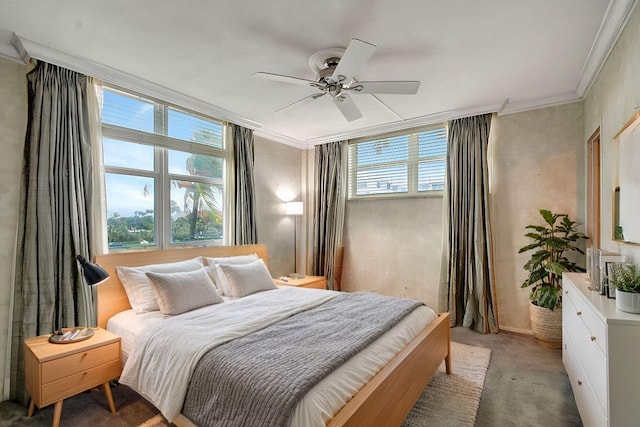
{"x": 54, "y": 372}
{"x": 316, "y": 282}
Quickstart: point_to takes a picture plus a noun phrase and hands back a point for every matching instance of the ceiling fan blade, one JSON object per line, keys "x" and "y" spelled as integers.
{"x": 400, "y": 88}
{"x": 347, "y": 107}
{"x": 285, "y": 79}
{"x": 304, "y": 101}
{"x": 357, "y": 54}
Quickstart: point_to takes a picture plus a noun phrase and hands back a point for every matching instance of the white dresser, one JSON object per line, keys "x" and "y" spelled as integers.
{"x": 601, "y": 352}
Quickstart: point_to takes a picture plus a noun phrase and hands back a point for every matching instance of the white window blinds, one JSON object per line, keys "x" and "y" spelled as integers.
{"x": 400, "y": 164}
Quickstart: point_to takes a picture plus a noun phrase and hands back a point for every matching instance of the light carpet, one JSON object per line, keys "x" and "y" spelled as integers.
{"x": 448, "y": 400}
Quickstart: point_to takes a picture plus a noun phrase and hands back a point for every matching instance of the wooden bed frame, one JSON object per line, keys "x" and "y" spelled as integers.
{"x": 385, "y": 400}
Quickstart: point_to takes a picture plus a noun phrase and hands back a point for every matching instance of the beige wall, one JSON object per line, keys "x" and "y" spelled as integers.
{"x": 535, "y": 158}
{"x": 394, "y": 247}
{"x": 610, "y": 103}
{"x": 13, "y": 118}
{"x": 278, "y": 173}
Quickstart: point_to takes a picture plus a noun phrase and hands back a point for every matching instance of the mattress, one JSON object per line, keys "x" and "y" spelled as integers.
{"x": 331, "y": 393}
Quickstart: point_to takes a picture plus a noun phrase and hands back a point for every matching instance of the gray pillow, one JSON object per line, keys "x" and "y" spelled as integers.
{"x": 245, "y": 279}
{"x": 138, "y": 287}
{"x": 218, "y": 276}
{"x": 180, "y": 292}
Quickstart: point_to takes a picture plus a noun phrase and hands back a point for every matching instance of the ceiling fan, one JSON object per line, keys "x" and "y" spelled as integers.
{"x": 335, "y": 78}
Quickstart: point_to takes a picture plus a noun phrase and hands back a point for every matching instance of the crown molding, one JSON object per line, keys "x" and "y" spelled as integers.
{"x": 280, "y": 138}
{"x": 395, "y": 126}
{"x": 613, "y": 23}
{"x": 8, "y": 47}
{"x": 502, "y": 108}
{"x": 131, "y": 82}
{"x": 532, "y": 104}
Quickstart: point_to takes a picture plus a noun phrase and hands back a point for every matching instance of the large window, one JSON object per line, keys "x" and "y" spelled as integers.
{"x": 164, "y": 174}
{"x": 401, "y": 164}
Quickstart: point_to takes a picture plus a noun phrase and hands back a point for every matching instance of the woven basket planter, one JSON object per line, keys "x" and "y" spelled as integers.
{"x": 546, "y": 325}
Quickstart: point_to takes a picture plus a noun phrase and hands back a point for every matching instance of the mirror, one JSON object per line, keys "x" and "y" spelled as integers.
{"x": 626, "y": 195}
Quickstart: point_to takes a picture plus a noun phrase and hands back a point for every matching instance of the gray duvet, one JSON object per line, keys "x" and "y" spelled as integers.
{"x": 258, "y": 380}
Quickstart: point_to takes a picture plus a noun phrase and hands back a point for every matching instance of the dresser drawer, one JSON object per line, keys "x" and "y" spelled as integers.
{"x": 594, "y": 324}
{"x": 590, "y": 410}
{"x": 591, "y": 358}
{"x": 81, "y": 361}
{"x": 85, "y": 379}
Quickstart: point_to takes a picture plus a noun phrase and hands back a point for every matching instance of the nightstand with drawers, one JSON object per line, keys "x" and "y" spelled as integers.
{"x": 54, "y": 372}
{"x": 316, "y": 282}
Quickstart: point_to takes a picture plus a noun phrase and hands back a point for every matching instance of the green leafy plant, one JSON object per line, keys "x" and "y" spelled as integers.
{"x": 625, "y": 277}
{"x": 551, "y": 242}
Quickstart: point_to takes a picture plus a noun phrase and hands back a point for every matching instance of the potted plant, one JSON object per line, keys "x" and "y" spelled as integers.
{"x": 626, "y": 278}
{"x": 551, "y": 243}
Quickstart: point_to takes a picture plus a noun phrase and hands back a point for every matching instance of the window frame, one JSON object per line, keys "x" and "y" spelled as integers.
{"x": 413, "y": 161}
{"x": 162, "y": 144}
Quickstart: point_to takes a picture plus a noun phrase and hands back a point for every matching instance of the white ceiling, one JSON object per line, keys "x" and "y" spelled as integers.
{"x": 471, "y": 56}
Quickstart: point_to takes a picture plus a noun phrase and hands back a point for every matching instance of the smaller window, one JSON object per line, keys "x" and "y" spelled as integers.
{"x": 400, "y": 164}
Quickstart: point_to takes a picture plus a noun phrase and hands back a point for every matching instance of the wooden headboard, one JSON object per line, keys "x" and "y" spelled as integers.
{"x": 112, "y": 298}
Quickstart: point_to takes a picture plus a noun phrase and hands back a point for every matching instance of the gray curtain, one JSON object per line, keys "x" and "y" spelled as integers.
{"x": 245, "y": 232}
{"x": 53, "y": 219}
{"x": 330, "y": 202}
{"x": 471, "y": 293}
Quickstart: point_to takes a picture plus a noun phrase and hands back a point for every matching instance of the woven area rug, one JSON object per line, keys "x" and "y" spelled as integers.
{"x": 453, "y": 400}
{"x": 448, "y": 400}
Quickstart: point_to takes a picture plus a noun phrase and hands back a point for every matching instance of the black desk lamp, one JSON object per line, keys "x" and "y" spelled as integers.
{"x": 93, "y": 275}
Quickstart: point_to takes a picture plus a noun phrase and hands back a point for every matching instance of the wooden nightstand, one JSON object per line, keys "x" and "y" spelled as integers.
{"x": 316, "y": 282}
{"x": 54, "y": 372}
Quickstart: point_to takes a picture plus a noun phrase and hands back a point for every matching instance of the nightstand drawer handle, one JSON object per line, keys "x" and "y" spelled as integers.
{"x": 578, "y": 313}
{"x": 593, "y": 338}
{"x": 566, "y": 292}
{"x": 579, "y": 382}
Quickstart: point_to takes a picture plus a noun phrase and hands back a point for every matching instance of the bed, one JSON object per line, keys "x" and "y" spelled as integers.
{"x": 385, "y": 399}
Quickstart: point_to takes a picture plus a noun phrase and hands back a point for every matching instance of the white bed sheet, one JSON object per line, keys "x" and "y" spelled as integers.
{"x": 326, "y": 398}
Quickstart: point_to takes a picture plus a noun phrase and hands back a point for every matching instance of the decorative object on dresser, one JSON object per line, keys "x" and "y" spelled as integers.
{"x": 551, "y": 243}
{"x": 606, "y": 259}
{"x": 626, "y": 279}
{"x": 317, "y": 282}
{"x": 54, "y": 373}
{"x": 600, "y": 343}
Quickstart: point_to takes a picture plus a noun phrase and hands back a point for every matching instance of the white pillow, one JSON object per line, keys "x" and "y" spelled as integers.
{"x": 139, "y": 288}
{"x": 246, "y": 279}
{"x": 180, "y": 292}
{"x": 218, "y": 276}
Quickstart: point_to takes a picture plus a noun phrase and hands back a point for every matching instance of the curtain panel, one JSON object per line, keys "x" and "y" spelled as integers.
{"x": 470, "y": 267}
{"x": 54, "y": 213}
{"x": 330, "y": 202}
{"x": 245, "y": 230}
